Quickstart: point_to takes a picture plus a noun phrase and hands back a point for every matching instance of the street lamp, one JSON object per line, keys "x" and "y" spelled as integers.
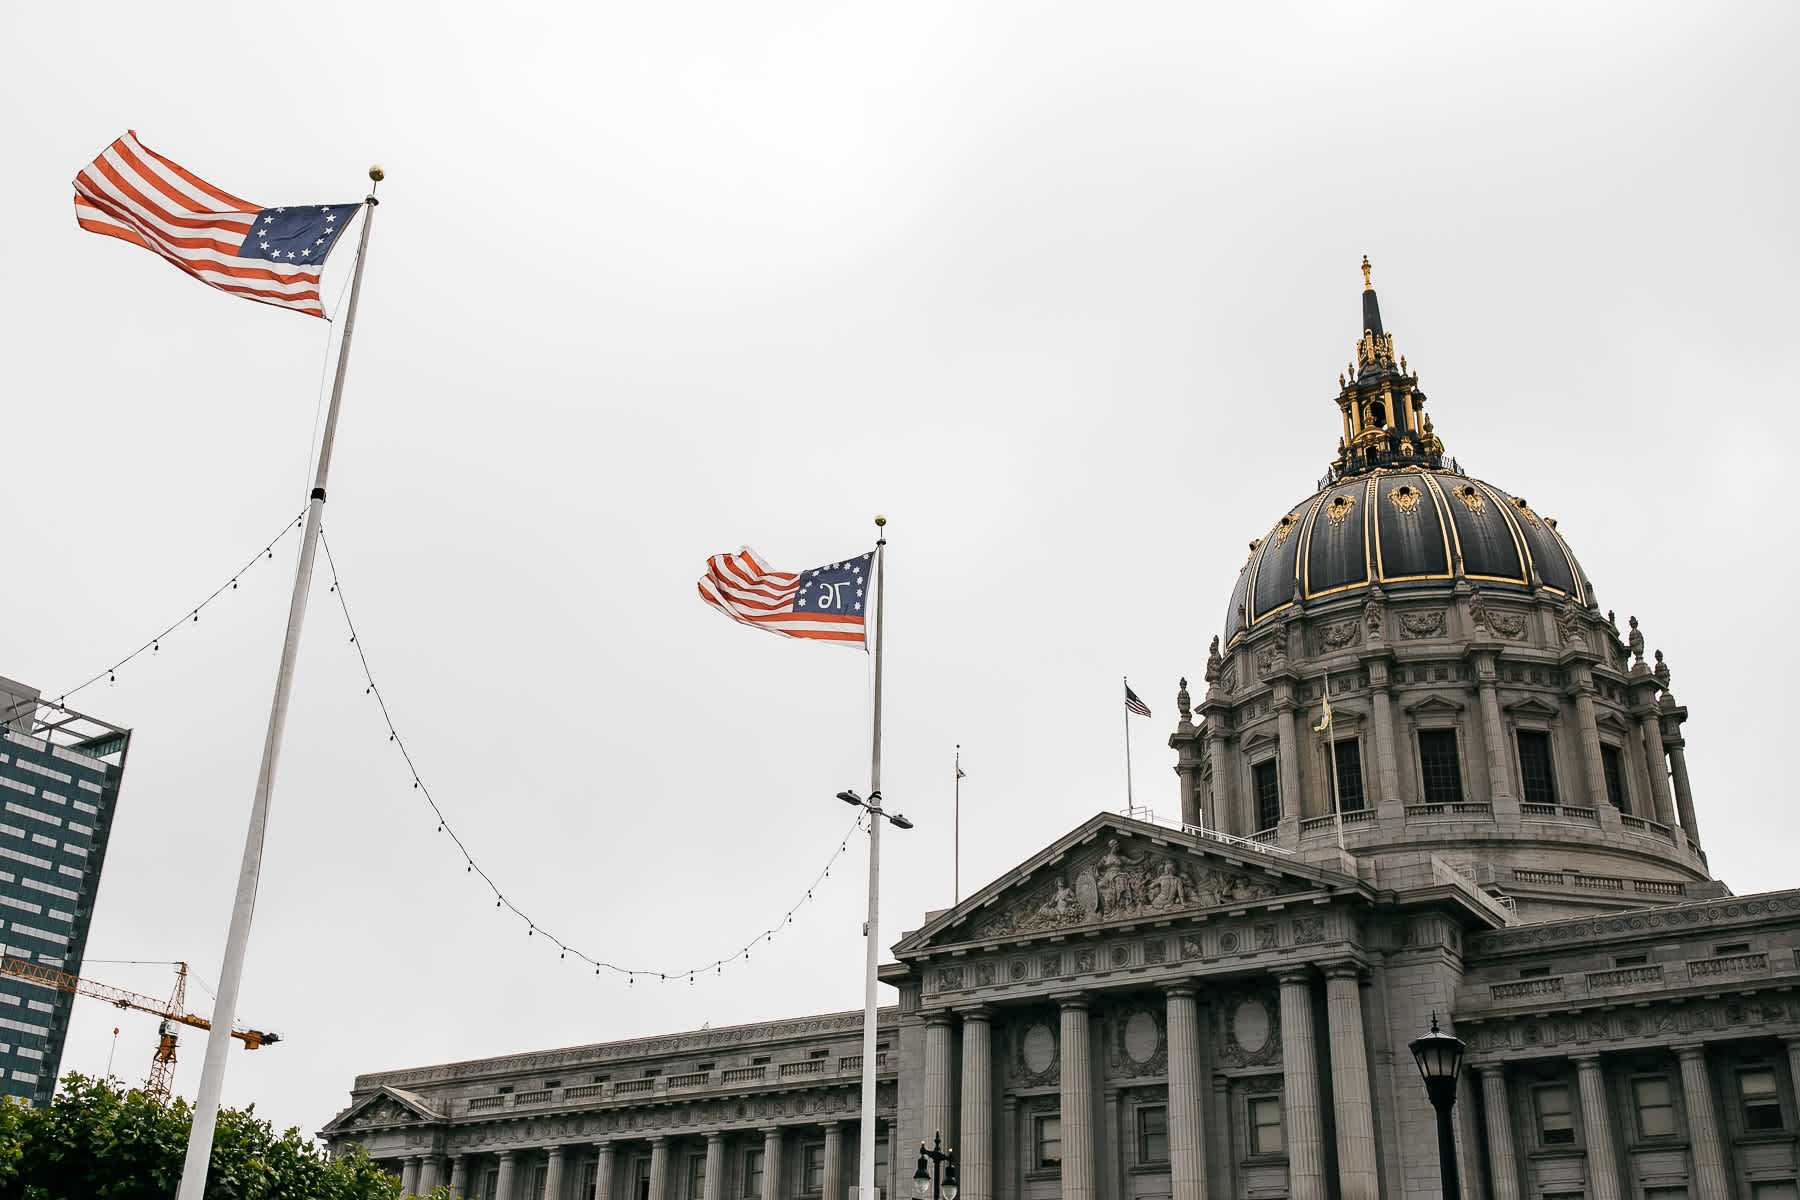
{"x": 937, "y": 1182}
{"x": 1440, "y": 1056}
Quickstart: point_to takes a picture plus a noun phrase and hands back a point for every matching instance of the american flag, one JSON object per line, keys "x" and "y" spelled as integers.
{"x": 1133, "y": 704}
{"x": 270, "y": 255}
{"x": 827, "y": 603}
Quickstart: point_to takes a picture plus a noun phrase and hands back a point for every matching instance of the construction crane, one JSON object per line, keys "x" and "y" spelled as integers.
{"x": 173, "y": 1013}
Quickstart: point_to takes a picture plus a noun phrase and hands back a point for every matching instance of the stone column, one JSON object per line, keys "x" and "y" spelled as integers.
{"x": 459, "y": 1176}
{"x": 553, "y": 1173}
{"x": 428, "y": 1174}
{"x": 714, "y": 1186}
{"x": 833, "y": 1186}
{"x": 1008, "y": 1176}
{"x": 1300, "y": 1075}
{"x": 1602, "y": 1161}
{"x": 1388, "y": 800}
{"x": 509, "y": 1165}
{"x": 1501, "y": 793}
{"x": 1684, "y": 794}
{"x": 1289, "y": 756}
{"x": 1656, "y": 763}
{"x": 940, "y": 1086}
{"x": 1224, "y": 815}
{"x": 1351, "y": 1102}
{"x": 659, "y": 1168}
{"x": 1593, "y": 766}
{"x": 1703, "y": 1123}
{"x": 603, "y": 1174}
{"x": 1503, "y": 1164}
{"x": 1077, "y": 1102}
{"x": 771, "y": 1164}
{"x": 409, "y": 1176}
{"x": 975, "y": 1153}
{"x": 1187, "y": 1097}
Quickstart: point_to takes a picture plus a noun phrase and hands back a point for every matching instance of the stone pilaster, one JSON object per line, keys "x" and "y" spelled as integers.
{"x": 409, "y": 1176}
{"x": 1289, "y": 760}
{"x": 940, "y": 1082}
{"x": 771, "y": 1180}
{"x": 553, "y": 1173}
{"x": 659, "y": 1168}
{"x": 1007, "y": 1179}
{"x": 1352, "y": 1105}
{"x": 1501, "y": 792}
{"x": 1187, "y": 1097}
{"x": 603, "y": 1173}
{"x": 1503, "y": 1163}
{"x": 1703, "y": 1124}
{"x": 506, "y": 1187}
{"x": 1224, "y": 815}
{"x": 1389, "y": 803}
{"x": 1596, "y": 1123}
{"x": 1300, "y": 1077}
{"x": 459, "y": 1176}
{"x": 1077, "y": 1101}
{"x": 975, "y": 1153}
{"x": 834, "y": 1161}
{"x": 714, "y": 1186}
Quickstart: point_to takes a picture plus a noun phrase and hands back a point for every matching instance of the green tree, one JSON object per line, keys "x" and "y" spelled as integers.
{"x": 99, "y": 1140}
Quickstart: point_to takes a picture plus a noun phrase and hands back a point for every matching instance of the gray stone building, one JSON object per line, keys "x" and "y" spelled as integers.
{"x": 1426, "y": 774}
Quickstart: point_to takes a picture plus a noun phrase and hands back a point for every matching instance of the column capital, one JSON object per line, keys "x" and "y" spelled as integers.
{"x": 715, "y": 1137}
{"x": 1485, "y": 1069}
{"x": 941, "y": 1016}
{"x": 1586, "y": 1060}
{"x": 660, "y": 1139}
{"x": 1292, "y": 976}
{"x": 507, "y": 1156}
{"x": 770, "y": 1131}
{"x": 1687, "y": 1050}
{"x": 1342, "y": 969}
{"x": 1181, "y": 988}
{"x": 833, "y": 1124}
{"x": 1069, "y": 1000}
{"x": 976, "y": 1012}
{"x": 557, "y": 1151}
{"x": 604, "y": 1146}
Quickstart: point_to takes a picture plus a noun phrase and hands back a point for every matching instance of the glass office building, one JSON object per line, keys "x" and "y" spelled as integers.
{"x": 59, "y": 782}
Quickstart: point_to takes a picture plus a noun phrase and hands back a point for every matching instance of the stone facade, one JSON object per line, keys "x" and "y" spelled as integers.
{"x": 1426, "y": 776}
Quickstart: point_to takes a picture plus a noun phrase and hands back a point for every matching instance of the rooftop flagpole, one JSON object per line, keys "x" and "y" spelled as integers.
{"x": 243, "y": 909}
{"x": 956, "y": 835}
{"x": 1130, "y": 804}
{"x": 865, "y": 1163}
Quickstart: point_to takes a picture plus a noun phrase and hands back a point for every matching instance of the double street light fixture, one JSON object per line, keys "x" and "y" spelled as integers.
{"x": 1440, "y": 1056}
{"x": 873, "y": 806}
{"x": 938, "y": 1181}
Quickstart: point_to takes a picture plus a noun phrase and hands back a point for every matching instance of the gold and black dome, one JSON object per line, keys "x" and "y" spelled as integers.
{"x": 1393, "y": 512}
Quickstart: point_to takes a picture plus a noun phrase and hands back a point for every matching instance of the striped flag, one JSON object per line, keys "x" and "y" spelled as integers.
{"x": 270, "y": 255}
{"x": 827, "y": 603}
{"x": 1133, "y": 704}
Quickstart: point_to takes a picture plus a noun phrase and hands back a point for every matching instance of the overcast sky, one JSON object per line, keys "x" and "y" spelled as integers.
{"x": 1063, "y": 290}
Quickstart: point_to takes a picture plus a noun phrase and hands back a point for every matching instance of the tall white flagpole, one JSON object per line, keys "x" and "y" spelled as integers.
{"x": 956, "y": 836}
{"x": 1130, "y": 805}
{"x": 865, "y": 1167}
{"x": 243, "y": 908}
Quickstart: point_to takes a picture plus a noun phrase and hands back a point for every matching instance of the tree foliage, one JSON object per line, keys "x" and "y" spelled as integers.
{"x": 99, "y": 1140}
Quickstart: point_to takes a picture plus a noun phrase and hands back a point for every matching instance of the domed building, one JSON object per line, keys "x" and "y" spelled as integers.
{"x": 1429, "y": 785}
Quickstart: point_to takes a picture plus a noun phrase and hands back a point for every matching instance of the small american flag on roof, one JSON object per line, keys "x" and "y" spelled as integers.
{"x": 1133, "y": 704}
{"x": 828, "y": 603}
{"x": 270, "y": 255}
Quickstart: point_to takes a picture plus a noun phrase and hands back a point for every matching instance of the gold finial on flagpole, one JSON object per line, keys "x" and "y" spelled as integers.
{"x": 377, "y": 174}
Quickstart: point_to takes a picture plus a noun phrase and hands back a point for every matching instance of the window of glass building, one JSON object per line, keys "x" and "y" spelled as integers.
{"x": 1439, "y": 765}
{"x": 1048, "y": 1136}
{"x": 1762, "y": 1104}
{"x": 1655, "y": 1102}
{"x": 1555, "y": 1115}
{"x": 1534, "y": 767}
{"x": 1266, "y": 787}
{"x": 753, "y": 1167}
{"x": 1613, "y": 767}
{"x": 812, "y": 1168}
{"x": 1265, "y": 1125}
{"x": 1349, "y": 775}
{"x": 1153, "y": 1133}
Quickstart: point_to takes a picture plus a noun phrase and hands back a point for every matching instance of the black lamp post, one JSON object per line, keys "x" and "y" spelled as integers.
{"x": 938, "y": 1181}
{"x": 1440, "y": 1056}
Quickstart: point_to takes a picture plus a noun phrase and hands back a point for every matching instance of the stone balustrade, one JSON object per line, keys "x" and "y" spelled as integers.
{"x": 1726, "y": 965}
{"x": 1551, "y": 985}
{"x": 1625, "y": 977}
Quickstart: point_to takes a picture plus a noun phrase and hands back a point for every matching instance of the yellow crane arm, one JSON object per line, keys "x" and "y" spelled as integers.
{"x": 62, "y": 981}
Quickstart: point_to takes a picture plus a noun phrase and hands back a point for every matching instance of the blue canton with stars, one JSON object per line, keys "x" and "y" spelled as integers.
{"x": 298, "y": 234}
{"x": 836, "y": 588}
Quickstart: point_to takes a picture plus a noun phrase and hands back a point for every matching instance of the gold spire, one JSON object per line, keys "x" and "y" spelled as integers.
{"x": 1367, "y": 286}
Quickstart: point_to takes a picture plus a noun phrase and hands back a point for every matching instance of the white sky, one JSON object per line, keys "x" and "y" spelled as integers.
{"x": 1063, "y": 290}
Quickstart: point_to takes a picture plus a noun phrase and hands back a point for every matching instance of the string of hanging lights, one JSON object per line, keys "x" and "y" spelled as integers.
{"x": 188, "y": 617}
{"x": 501, "y": 901}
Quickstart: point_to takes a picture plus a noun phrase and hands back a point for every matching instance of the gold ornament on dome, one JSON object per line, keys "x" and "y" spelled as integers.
{"x": 1469, "y": 496}
{"x": 1405, "y": 498}
{"x": 1531, "y": 518}
{"x": 1282, "y": 528}
{"x": 1339, "y": 511}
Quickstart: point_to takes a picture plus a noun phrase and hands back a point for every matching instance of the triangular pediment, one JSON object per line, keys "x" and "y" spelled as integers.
{"x": 1433, "y": 706}
{"x": 387, "y": 1108}
{"x": 1116, "y": 870}
{"x": 1612, "y": 723}
{"x": 1531, "y": 706}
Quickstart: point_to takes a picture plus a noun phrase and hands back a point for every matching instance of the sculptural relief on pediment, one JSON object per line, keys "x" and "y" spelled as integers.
{"x": 1114, "y": 884}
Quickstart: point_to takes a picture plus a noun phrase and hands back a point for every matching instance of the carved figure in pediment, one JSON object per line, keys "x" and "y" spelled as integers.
{"x": 1168, "y": 888}
{"x": 1117, "y": 888}
{"x": 1062, "y": 903}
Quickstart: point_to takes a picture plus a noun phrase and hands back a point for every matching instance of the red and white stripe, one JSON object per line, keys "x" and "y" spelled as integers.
{"x": 744, "y": 588}
{"x": 136, "y": 195}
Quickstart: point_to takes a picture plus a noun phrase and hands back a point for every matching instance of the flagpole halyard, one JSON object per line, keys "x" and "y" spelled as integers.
{"x": 243, "y": 910}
